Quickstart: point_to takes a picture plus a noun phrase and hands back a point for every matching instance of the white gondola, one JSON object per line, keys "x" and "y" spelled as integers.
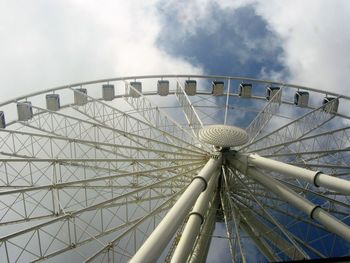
{"x": 108, "y": 92}
{"x": 163, "y": 87}
{"x": 79, "y": 97}
{"x": 24, "y": 110}
{"x": 137, "y": 86}
{"x": 53, "y": 102}
{"x": 190, "y": 87}
{"x": 217, "y": 88}
{"x": 2, "y": 120}
{"x": 271, "y": 91}
{"x": 331, "y": 104}
{"x": 245, "y": 90}
{"x": 301, "y": 98}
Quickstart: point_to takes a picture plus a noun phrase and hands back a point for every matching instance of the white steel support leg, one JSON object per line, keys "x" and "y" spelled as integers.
{"x": 240, "y": 162}
{"x": 200, "y": 250}
{"x": 193, "y": 225}
{"x": 317, "y": 178}
{"x": 160, "y": 237}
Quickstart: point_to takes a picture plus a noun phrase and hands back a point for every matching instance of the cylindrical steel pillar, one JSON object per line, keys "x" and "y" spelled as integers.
{"x": 194, "y": 222}
{"x": 200, "y": 250}
{"x": 317, "y": 178}
{"x": 314, "y": 211}
{"x": 160, "y": 237}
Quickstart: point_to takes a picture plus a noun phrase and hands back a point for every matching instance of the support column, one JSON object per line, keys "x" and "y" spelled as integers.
{"x": 240, "y": 162}
{"x": 201, "y": 248}
{"x": 153, "y": 247}
{"x": 193, "y": 225}
{"x": 314, "y": 177}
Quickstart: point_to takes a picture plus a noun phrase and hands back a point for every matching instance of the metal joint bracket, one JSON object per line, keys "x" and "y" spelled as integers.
{"x": 198, "y": 214}
{"x": 201, "y": 178}
{"x": 315, "y": 178}
{"x": 313, "y": 211}
{"x": 110, "y": 246}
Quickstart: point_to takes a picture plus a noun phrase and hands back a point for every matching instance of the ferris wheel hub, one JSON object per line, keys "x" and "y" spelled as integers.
{"x": 223, "y": 136}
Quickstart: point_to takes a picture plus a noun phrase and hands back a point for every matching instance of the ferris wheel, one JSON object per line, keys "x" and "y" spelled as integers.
{"x": 150, "y": 168}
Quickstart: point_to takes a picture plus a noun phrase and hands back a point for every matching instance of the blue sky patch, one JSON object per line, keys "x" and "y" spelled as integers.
{"x": 238, "y": 42}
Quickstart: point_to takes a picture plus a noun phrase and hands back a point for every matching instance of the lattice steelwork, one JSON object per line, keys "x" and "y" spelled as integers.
{"x": 191, "y": 115}
{"x": 83, "y": 178}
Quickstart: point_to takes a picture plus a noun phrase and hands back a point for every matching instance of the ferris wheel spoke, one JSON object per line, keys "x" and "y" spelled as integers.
{"x": 257, "y": 125}
{"x": 131, "y": 129}
{"x": 337, "y": 164}
{"x": 259, "y": 225}
{"x": 193, "y": 120}
{"x": 108, "y": 211}
{"x": 174, "y": 171}
{"x": 332, "y": 223}
{"x": 231, "y": 221}
{"x": 270, "y": 204}
{"x": 290, "y": 246}
{"x": 331, "y": 146}
{"x": 74, "y": 128}
{"x": 314, "y": 154}
{"x": 309, "y": 236}
{"x": 160, "y": 119}
{"x": 336, "y": 157}
{"x": 19, "y": 173}
{"x": 31, "y": 145}
{"x": 320, "y": 165}
{"x": 293, "y": 130}
{"x": 51, "y": 199}
{"x": 331, "y": 203}
{"x": 330, "y": 140}
{"x": 269, "y": 236}
{"x": 258, "y": 240}
{"x": 207, "y": 107}
{"x": 80, "y": 232}
{"x": 34, "y": 145}
{"x": 330, "y": 206}
{"x": 306, "y": 225}
{"x": 148, "y": 222}
{"x": 303, "y": 235}
{"x": 303, "y": 241}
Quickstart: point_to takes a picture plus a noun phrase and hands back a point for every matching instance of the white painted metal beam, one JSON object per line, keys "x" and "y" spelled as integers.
{"x": 194, "y": 222}
{"x": 157, "y": 241}
{"x": 314, "y": 177}
{"x": 240, "y": 162}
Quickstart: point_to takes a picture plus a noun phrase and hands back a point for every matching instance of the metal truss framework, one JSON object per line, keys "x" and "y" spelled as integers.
{"x": 96, "y": 181}
{"x": 192, "y": 118}
{"x": 264, "y": 116}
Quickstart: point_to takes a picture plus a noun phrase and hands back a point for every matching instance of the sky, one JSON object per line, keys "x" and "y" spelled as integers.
{"x": 50, "y": 43}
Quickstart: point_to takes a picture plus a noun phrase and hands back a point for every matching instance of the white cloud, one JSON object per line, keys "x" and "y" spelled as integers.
{"x": 315, "y": 40}
{"x": 45, "y": 44}
{"x": 51, "y": 43}
{"x": 314, "y": 36}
